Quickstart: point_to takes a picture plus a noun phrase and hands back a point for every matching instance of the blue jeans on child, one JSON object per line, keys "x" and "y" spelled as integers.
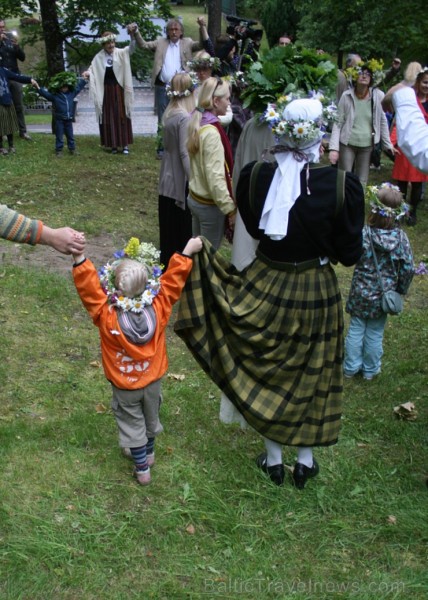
{"x": 363, "y": 346}
{"x": 64, "y": 127}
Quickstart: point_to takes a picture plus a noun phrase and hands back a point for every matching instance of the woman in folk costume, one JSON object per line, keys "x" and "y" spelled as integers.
{"x": 112, "y": 91}
{"x": 271, "y": 336}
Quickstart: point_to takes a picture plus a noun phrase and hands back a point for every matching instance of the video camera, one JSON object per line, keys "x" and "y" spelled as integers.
{"x": 241, "y": 28}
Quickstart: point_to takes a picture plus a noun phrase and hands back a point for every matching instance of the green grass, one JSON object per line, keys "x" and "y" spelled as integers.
{"x": 73, "y": 522}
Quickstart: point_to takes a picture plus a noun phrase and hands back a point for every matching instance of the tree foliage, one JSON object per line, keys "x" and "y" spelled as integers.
{"x": 277, "y": 16}
{"x": 61, "y": 22}
{"x": 368, "y": 27}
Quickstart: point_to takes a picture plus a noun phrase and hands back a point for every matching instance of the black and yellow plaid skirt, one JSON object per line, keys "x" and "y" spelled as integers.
{"x": 272, "y": 341}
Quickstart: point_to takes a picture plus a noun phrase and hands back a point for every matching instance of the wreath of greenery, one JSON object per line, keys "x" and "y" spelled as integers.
{"x": 61, "y": 79}
{"x": 285, "y": 69}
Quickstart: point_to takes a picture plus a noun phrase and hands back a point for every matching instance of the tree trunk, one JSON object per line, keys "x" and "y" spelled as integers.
{"x": 214, "y": 19}
{"x": 52, "y": 37}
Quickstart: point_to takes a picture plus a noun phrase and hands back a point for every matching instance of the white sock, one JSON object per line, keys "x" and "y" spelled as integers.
{"x": 305, "y": 457}
{"x": 274, "y": 453}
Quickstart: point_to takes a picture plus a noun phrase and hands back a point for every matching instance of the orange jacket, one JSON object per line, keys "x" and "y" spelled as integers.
{"x": 130, "y": 366}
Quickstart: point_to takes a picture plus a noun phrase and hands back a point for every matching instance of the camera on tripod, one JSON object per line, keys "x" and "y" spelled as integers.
{"x": 242, "y": 28}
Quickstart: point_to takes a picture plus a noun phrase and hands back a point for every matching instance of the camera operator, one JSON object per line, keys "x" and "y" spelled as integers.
{"x": 10, "y": 53}
{"x": 248, "y": 39}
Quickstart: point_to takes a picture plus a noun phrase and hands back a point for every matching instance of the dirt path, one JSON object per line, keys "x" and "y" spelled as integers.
{"x": 98, "y": 249}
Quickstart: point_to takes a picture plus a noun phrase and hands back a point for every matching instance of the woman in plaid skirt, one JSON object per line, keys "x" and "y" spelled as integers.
{"x": 271, "y": 336}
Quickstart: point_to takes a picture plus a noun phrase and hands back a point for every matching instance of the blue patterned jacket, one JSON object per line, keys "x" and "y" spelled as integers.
{"x": 395, "y": 259}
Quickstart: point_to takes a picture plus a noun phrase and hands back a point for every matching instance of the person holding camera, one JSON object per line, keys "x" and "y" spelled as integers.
{"x": 10, "y": 53}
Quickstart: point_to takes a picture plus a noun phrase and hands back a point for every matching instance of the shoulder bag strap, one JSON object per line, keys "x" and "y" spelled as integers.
{"x": 374, "y": 257}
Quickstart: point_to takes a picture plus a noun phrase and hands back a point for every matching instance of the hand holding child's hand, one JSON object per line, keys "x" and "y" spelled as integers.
{"x": 193, "y": 246}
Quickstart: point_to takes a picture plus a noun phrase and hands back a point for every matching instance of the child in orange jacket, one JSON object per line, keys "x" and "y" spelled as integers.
{"x": 130, "y": 302}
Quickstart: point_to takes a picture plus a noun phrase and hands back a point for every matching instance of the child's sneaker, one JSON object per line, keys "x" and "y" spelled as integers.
{"x": 143, "y": 477}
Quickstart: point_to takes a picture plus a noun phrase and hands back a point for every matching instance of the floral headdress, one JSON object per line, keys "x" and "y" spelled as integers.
{"x": 144, "y": 253}
{"x": 210, "y": 62}
{"x": 176, "y": 94}
{"x": 237, "y": 79}
{"x": 376, "y": 205}
{"x": 373, "y": 65}
{"x": 298, "y": 131}
{"x": 111, "y": 37}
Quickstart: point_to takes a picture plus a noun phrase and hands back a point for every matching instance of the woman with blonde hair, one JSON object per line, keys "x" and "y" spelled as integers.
{"x": 175, "y": 220}
{"x": 211, "y": 164}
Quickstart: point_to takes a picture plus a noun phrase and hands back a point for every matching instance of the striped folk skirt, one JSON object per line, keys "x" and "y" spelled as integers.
{"x": 8, "y": 120}
{"x": 116, "y": 127}
{"x": 272, "y": 341}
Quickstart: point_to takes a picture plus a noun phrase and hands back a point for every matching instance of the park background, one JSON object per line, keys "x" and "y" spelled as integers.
{"x": 73, "y": 522}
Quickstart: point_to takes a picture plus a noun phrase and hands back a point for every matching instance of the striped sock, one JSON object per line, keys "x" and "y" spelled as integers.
{"x": 150, "y": 447}
{"x": 140, "y": 458}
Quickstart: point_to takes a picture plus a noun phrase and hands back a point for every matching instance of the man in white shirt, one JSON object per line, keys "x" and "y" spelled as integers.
{"x": 412, "y": 130}
{"x": 171, "y": 56}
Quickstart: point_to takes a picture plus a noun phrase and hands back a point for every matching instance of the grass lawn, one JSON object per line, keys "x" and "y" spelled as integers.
{"x": 73, "y": 522}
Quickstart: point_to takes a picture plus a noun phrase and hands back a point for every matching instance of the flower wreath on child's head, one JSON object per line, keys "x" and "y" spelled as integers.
{"x": 376, "y": 205}
{"x": 299, "y": 131}
{"x": 144, "y": 253}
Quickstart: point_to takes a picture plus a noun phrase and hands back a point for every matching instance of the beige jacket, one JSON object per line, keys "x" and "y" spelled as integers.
{"x": 160, "y": 46}
{"x": 346, "y": 115}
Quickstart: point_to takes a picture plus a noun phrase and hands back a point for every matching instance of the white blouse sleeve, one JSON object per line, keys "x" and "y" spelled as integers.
{"x": 412, "y": 130}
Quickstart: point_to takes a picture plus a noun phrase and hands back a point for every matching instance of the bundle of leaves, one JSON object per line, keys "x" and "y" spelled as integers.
{"x": 62, "y": 79}
{"x": 285, "y": 69}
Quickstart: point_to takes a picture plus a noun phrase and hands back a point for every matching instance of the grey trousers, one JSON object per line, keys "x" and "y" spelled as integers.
{"x": 356, "y": 160}
{"x": 137, "y": 414}
{"x": 207, "y": 220}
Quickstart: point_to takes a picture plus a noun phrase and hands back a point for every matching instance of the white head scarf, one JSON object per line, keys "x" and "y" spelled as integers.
{"x": 285, "y": 187}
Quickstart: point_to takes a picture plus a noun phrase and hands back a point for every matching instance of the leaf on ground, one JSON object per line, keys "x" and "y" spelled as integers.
{"x": 191, "y": 529}
{"x": 176, "y": 376}
{"x": 95, "y": 363}
{"x": 100, "y": 408}
{"x": 392, "y": 520}
{"x": 406, "y": 411}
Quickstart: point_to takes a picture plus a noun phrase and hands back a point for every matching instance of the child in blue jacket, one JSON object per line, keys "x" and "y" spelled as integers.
{"x": 63, "y": 88}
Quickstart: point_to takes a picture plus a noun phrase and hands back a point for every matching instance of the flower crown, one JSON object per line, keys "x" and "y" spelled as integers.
{"x": 107, "y": 38}
{"x": 373, "y": 65}
{"x": 237, "y": 79}
{"x": 211, "y": 62}
{"x": 176, "y": 94}
{"x": 144, "y": 253}
{"x": 376, "y": 205}
{"x": 298, "y": 131}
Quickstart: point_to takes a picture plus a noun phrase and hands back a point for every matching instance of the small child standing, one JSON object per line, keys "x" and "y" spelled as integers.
{"x": 130, "y": 302}
{"x": 363, "y": 344}
{"x": 63, "y": 88}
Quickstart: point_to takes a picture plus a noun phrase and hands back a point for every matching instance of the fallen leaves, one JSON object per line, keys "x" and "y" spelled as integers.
{"x": 176, "y": 376}
{"x": 406, "y": 411}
